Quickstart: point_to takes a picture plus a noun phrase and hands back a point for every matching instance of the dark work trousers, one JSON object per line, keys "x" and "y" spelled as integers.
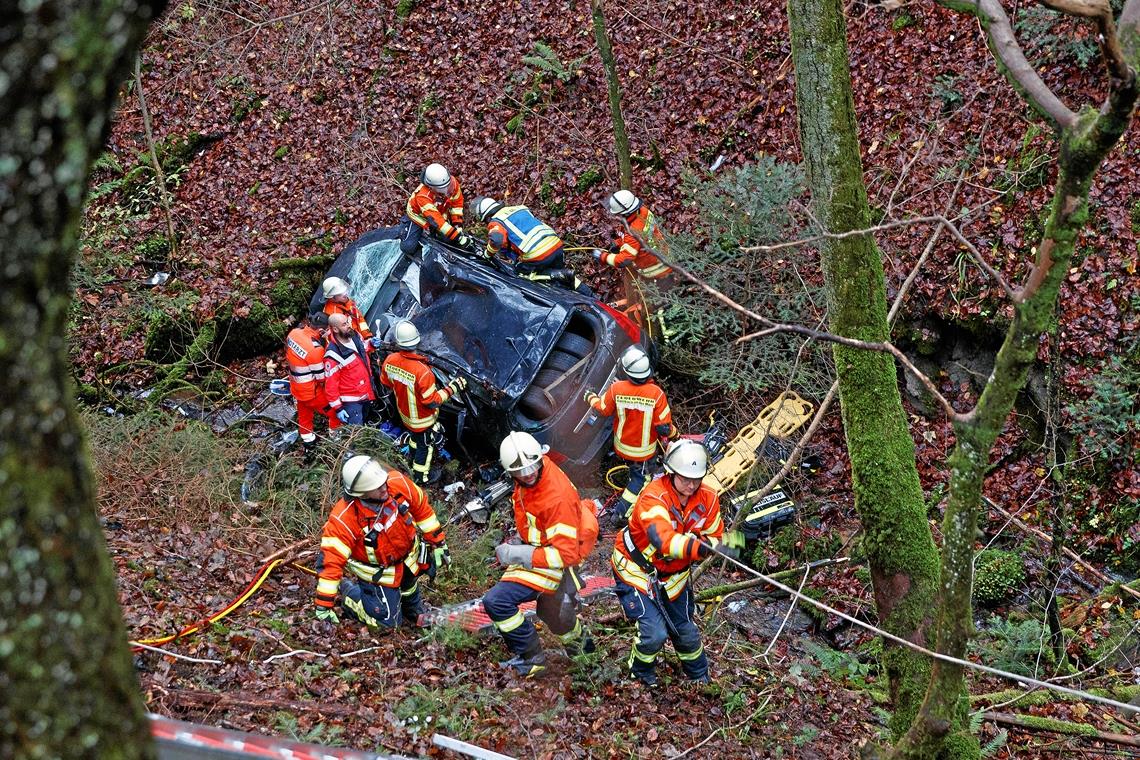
{"x": 410, "y": 237}
{"x": 422, "y": 449}
{"x": 638, "y": 474}
{"x": 356, "y": 411}
{"x": 556, "y": 261}
{"x": 385, "y": 606}
{"x": 557, "y": 609}
{"x": 653, "y": 629}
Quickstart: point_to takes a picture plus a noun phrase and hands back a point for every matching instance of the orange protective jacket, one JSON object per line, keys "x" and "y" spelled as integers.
{"x": 433, "y": 212}
{"x": 374, "y": 542}
{"x": 348, "y": 308}
{"x": 305, "y": 355}
{"x": 548, "y": 517}
{"x": 630, "y": 250}
{"x": 417, "y": 396}
{"x": 664, "y": 531}
{"x": 641, "y": 417}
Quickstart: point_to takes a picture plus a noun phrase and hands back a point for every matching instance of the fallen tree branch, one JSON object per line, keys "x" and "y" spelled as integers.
{"x": 1053, "y": 725}
{"x": 183, "y": 657}
{"x": 1041, "y": 697}
{"x": 251, "y": 702}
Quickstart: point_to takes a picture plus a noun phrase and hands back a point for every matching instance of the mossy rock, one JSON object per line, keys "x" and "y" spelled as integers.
{"x": 154, "y": 249}
{"x": 241, "y": 337}
{"x": 998, "y": 576}
{"x": 167, "y": 336}
{"x": 289, "y": 297}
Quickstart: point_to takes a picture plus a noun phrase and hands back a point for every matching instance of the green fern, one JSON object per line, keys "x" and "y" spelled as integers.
{"x": 547, "y": 61}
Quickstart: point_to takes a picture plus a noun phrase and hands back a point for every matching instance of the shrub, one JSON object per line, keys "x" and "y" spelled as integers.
{"x": 998, "y": 576}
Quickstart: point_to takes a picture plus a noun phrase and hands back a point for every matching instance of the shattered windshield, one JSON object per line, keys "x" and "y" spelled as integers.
{"x": 370, "y": 270}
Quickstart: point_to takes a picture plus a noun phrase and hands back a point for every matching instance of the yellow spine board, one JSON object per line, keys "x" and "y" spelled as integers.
{"x": 780, "y": 418}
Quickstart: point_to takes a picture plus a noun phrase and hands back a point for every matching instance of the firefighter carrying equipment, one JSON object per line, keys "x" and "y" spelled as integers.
{"x": 407, "y": 335}
{"x": 664, "y": 536}
{"x": 515, "y": 231}
{"x": 417, "y": 397}
{"x": 437, "y": 210}
{"x": 374, "y": 541}
{"x": 641, "y": 417}
{"x": 786, "y": 414}
{"x": 362, "y": 474}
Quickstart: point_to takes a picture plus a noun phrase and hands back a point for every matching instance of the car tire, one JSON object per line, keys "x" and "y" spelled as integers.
{"x": 575, "y": 345}
{"x": 546, "y": 377}
{"x": 560, "y": 360}
{"x": 535, "y": 404}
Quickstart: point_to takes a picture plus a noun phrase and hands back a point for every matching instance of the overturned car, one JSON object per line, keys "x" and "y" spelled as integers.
{"x": 528, "y": 351}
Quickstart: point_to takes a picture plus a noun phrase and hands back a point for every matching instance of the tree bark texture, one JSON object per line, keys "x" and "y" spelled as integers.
{"x": 888, "y": 496}
{"x": 68, "y": 685}
{"x": 1083, "y": 144}
{"x": 621, "y": 139}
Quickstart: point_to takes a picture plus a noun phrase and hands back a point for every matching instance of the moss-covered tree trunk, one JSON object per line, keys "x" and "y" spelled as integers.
{"x": 888, "y": 496}
{"x": 68, "y": 686}
{"x": 605, "y": 50}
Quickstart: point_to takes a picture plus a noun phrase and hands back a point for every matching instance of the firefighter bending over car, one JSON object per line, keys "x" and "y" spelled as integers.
{"x": 675, "y": 522}
{"x": 436, "y": 207}
{"x": 558, "y": 531}
{"x": 627, "y": 252}
{"x": 418, "y": 399}
{"x": 305, "y": 357}
{"x": 642, "y": 420}
{"x": 369, "y": 547}
{"x": 534, "y": 247}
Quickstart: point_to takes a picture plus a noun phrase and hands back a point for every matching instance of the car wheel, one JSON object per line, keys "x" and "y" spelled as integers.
{"x": 560, "y": 360}
{"x": 535, "y": 403}
{"x": 575, "y": 345}
{"x": 546, "y": 378}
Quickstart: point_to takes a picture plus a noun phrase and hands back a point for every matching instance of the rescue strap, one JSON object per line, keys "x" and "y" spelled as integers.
{"x": 638, "y": 558}
{"x": 241, "y": 599}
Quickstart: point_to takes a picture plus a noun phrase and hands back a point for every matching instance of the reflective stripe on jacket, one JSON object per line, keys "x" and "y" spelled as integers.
{"x": 645, "y": 261}
{"x": 516, "y": 230}
{"x": 417, "y": 396}
{"x": 676, "y": 526}
{"x": 546, "y": 517}
{"x": 435, "y": 212}
{"x": 373, "y": 542}
{"x": 348, "y": 376}
{"x": 348, "y": 308}
{"x": 637, "y": 409}
{"x": 305, "y": 356}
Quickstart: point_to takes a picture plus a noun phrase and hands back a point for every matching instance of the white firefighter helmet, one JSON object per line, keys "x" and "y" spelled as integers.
{"x": 407, "y": 336}
{"x": 362, "y": 474}
{"x": 687, "y": 458}
{"x": 623, "y": 203}
{"x": 333, "y": 287}
{"x": 635, "y": 362}
{"x": 520, "y": 454}
{"x": 436, "y": 177}
{"x": 485, "y": 207}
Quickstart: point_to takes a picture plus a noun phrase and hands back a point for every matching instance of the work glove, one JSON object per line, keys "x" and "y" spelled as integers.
{"x": 357, "y": 608}
{"x": 599, "y": 254}
{"x": 342, "y": 415}
{"x": 441, "y": 555}
{"x": 327, "y": 615}
{"x": 376, "y": 341}
{"x": 589, "y": 394}
{"x": 464, "y": 240}
{"x": 515, "y": 554}
{"x": 457, "y": 384}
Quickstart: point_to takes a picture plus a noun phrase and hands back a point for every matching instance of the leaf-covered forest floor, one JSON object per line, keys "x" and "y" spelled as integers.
{"x": 290, "y": 128}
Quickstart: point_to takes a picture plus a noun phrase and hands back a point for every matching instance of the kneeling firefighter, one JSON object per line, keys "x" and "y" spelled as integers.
{"x": 675, "y": 522}
{"x": 371, "y": 534}
{"x": 558, "y": 530}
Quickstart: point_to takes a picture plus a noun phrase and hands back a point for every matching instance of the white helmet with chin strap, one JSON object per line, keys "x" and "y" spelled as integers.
{"x": 687, "y": 458}
{"x": 436, "y": 177}
{"x": 623, "y": 203}
{"x": 485, "y": 207}
{"x": 334, "y": 286}
{"x": 407, "y": 336}
{"x": 635, "y": 363}
{"x": 520, "y": 454}
{"x": 362, "y": 474}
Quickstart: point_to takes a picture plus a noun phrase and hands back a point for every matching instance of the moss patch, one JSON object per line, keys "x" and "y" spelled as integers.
{"x": 998, "y": 576}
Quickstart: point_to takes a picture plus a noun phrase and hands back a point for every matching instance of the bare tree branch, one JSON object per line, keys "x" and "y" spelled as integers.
{"x": 1018, "y": 70}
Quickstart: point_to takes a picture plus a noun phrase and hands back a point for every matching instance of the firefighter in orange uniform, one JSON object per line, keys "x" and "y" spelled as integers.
{"x": 337, "y": 301}
{"x": 558, "y": 530}
{"x": 410, "y": 377}
{"x": 627, "y": 251}
{"x": 674, "y": 523}
{"x": 436, "y": 207}
{"x": 370, "y": 548}
{"x": 642, "y": 419}
{"x": 305, "y": 356}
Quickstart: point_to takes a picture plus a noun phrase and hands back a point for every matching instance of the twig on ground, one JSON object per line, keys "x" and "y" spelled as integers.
{"x": 165, "y": 653}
